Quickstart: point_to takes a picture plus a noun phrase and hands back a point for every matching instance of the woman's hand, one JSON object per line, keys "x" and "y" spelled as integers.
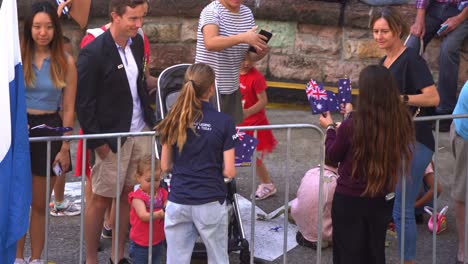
{"x": 63, "y": 158}
{"x": 326, "y": 119}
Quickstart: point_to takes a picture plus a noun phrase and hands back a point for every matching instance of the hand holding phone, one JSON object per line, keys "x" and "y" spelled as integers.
{"x": 265, "y": 33}
{"x": 57, "y": 169}
{"x": 442, "y": 28}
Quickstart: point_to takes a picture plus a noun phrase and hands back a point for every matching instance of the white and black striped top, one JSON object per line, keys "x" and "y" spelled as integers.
{"x": 226, "y": 63}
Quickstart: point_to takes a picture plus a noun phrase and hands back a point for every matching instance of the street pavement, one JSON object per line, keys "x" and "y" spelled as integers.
{"x": 304, "y": 150}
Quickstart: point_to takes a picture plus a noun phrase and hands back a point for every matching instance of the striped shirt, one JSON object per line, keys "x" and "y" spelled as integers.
{"x": 421, "y": 4}
{"x": 225, "y": 63}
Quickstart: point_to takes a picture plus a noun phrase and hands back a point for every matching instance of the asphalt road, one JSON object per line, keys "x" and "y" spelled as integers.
{"x": 304, "y": 151}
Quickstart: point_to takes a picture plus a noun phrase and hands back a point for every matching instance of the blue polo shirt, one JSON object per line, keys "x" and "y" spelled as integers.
{"x": 197, "y": 173}
{"x": 461, "y": 124}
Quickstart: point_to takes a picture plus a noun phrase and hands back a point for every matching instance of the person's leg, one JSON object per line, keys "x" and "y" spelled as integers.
{"x": 124, "y": 217}
{"x": 180, "y": 233}
{"x": 108, "y": 224}
{"x": 94, "y": 215}
{"x": 432, "y": 24}
{"x": 379, "y": 212}
{"x": 59, "y": 189}
{"x": 262, "y": 172}
{"x": 211, "y": 221}
{"x": 460, "y": 222}
{"x": 449, "y": 61}
{"x": 138, "y": 254}
{"x": 20, "y": 247}
{"x": 38, "y": 207}
{"x": 157, "y": 253}
{"x": 349, "y": 245}
{"x": 421, "y": 158}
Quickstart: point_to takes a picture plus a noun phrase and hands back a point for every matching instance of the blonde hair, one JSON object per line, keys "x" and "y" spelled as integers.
{"x": 188, "y": 107}
{"x": 144, "y": 165}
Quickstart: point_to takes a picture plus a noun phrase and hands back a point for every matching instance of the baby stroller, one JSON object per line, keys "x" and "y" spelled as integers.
{"x": 169, "y": 84}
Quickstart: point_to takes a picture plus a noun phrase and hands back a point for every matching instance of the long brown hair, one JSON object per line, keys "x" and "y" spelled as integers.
{"x": 199, "y": 78}
{"x": 58, "y": 59}
{"x": 395, "y": 22}
{"x": 383, "y": 131}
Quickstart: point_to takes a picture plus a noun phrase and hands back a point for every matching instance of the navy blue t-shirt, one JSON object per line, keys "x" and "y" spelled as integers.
{"x": 197, "y": 173}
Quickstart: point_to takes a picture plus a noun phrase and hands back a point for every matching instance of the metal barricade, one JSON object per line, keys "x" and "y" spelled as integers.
{"x": 288, "y": 127}
{"x": 83, "y": 176}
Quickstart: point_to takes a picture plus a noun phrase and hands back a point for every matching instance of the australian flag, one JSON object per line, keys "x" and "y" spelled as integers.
{"x": 321, "y": 100}
{"x": 245, "y": 146}
{"x": 344, "y": 90}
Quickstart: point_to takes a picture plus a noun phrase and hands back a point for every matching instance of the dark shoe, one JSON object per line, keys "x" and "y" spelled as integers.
{"x": 306, "y": 243}
{"x": 106, "y": 233}
{"x": 122, "y": 261}
{"x": 419, "y": 219}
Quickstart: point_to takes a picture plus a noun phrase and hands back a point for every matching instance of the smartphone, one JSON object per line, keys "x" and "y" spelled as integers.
{"x": 441, "y": 29}
{"x": 57, "y": 169}
{"x": 264, "y": 33}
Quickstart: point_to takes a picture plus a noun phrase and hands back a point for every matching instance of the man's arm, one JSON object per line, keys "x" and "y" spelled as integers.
{"x": 419, "y": 28}
{"x": 453, "y": 22}
{"x": 86, "y": 95}
{"x": 215, "y": 42}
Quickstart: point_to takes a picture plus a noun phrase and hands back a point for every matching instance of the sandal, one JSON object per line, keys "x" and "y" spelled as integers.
{"x": 264, "y": 191}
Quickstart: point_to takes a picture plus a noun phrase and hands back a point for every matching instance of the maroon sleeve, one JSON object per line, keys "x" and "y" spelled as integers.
{"x": 338, "y": 142}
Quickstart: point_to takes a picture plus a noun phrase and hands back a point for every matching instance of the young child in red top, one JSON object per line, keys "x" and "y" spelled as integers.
{"x": 140, "y": 201}
{"x": 254, "y": 99}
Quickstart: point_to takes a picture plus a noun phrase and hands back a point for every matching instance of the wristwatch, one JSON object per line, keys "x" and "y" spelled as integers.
{"x": 331, "y": 126}
{"x": 405, "y": 99}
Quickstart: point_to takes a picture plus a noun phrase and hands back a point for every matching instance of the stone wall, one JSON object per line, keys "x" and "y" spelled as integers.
{"x": 307, "y": 40}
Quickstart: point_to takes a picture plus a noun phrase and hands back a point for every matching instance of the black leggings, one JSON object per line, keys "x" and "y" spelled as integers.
{"x": 359, "y": 229}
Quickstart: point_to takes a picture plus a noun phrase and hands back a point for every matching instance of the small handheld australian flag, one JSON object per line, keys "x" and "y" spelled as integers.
{"x": 245, "y": 146}
{"x": 344, "y": 90}
{"x": 321, "y": 100}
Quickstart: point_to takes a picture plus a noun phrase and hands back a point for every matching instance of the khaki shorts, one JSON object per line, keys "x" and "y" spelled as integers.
{"x": 231, "y": 104}
{"x": 460, "y": 152}
{"x": 104, "y": 172}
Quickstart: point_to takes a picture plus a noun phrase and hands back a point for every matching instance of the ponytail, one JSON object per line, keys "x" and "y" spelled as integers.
{"x": 188, "y": 107}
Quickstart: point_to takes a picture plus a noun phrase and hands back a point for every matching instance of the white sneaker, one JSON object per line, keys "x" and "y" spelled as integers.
{"x": 264, "y": 191}
{"x": 37, "y": 261}
{"x": 21, "y": 261}
{"x": 66, "y": 208}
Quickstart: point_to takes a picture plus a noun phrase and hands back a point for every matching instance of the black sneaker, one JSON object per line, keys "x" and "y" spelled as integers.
{"x": 306, "y": 243}
{"x": 122, "y": 261}
{"x": 106, "y": 233}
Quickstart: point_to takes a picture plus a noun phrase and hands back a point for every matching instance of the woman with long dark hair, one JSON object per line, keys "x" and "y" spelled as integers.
{"x": 418, "y": 92}
{"x": 368, "y": 166}
{"x": 50, "y": 78}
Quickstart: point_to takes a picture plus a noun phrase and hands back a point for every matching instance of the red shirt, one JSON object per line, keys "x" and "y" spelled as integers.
{"x": 139, "y": 233}
{"x": 251, "y": 84}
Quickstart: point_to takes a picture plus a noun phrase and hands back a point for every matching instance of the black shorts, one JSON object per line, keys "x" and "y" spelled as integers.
{"x": 38, "y": 150}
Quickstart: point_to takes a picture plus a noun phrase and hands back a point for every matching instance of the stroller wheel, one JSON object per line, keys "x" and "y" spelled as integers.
{"x": 244, "y": 255}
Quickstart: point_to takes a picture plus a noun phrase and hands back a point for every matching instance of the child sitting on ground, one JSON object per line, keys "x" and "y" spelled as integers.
{"x": 425, "y": 196}
{"x": 254, "y": 99}
{"x": 304, "y": 209}
{"x": 140, "y": 201}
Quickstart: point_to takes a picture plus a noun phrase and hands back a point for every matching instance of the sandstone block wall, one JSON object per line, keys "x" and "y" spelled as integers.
{"x": 307, "y": 40}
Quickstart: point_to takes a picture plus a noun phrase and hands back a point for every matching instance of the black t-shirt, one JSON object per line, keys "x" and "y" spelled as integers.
{"x": 412, "y": 74}
{"x": 197, "y": 174}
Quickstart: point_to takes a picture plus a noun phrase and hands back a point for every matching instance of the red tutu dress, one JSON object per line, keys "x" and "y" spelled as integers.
{"x": 251, "y": 84}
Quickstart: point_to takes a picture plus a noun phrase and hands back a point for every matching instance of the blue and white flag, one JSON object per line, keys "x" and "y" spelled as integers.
{"x": 344, "y": 90}
{"x": 15, "y": 168}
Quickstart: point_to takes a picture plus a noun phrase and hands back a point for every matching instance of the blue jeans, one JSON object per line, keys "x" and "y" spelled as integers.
{"x": 421, "y": 158}
{"x": 139, "y": 254}
{"x": 449, "y": 57}
{"x": 184, "y": 223}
